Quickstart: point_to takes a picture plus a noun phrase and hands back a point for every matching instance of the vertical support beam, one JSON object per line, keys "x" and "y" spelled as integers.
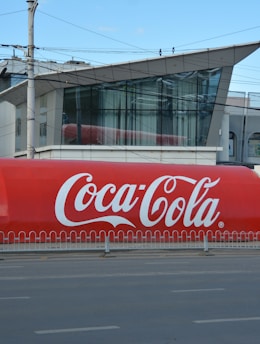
{"x": 32, "y": 4}
{"x": 206, "y": 243}
{"x": 107, "y": 244}
{"x": 78, "y": 114}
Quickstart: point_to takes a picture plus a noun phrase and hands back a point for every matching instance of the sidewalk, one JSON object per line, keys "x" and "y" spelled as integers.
{"x": 126, "y": 254}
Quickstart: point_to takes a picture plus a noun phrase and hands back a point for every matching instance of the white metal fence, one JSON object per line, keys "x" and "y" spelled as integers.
{"x": 120, "y": 240}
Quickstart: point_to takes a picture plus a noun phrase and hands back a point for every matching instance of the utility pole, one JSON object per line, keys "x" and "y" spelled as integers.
{"x": 32, "y": 4}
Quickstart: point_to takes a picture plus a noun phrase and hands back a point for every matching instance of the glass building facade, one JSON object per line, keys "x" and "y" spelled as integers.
{"x": 171, "y": 110}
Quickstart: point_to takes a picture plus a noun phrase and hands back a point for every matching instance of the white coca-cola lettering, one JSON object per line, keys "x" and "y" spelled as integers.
{"x": 169, "y": 185}
{"x": 206, "y": 214}
{"x": 195, "y": 209}
{"x": 96, "y": 196}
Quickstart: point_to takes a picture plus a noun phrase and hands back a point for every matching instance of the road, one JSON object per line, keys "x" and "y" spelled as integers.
{"x": 157, "y": 298}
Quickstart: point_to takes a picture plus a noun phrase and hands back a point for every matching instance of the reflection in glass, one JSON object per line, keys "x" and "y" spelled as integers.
{"x": 157, "y": 111}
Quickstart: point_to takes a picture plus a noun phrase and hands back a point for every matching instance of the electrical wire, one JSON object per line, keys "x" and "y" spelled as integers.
{"x": 14, "y": 12}
{"x": 75, "y": 84}
{"x": 92, "y": 31}
{"x": 249, "y": 81}
{"x": 120, "y": 51}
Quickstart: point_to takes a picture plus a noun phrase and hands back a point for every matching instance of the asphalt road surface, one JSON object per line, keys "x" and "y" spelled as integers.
{"x": 130, "y": 298}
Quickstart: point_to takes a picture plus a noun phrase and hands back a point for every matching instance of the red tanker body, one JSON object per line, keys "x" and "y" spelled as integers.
{"x": 48, "y": 196}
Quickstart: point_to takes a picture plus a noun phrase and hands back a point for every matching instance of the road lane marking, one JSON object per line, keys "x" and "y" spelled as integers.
{"x": 166, "y": 263}
{"x": 123, "y": 274}
{"x": 196, "y": 290}
{"x": 14, "y": 297}
{"x": 212, "y": 321}
{"x": 11, "y": 266}
{"x": 79, "y": 329}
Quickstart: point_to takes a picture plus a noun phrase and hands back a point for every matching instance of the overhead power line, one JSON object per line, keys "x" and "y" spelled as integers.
{"x": 14, "y": 12}
{"x": 220, "y": 36}
{"x": 92, "y": 31}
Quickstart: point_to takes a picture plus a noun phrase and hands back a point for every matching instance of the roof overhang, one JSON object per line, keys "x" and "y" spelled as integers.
{"x": 164, "y": 65}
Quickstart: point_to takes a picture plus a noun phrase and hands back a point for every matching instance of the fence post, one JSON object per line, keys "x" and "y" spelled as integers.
{"x": 206, "y": 243}
{"x": 107, "y": 244}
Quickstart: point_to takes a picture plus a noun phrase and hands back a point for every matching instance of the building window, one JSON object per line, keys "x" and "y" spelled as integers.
{"x": 254, "y": 145}
{"x": 19, "y": 131}
{"x": 43, "y": 130}
{"x": 172, "y": 110}
{"x": 43, "y": 120}
{"x": 232, "y": 144}
{"x": 18, "y": 126}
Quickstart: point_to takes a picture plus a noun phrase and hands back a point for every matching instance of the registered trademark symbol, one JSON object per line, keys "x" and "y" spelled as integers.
{"x": 221, "y": 224}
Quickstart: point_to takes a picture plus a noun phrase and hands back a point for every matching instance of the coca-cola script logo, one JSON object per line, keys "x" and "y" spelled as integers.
{"x": 152, "y": 206}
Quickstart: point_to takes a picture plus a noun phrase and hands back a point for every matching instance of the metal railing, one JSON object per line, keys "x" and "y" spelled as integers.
{"x": 122, "y": 240}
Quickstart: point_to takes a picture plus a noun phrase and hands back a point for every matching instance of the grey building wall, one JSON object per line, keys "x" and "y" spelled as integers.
{"x": 7, "y": 129}
{"x": 48, "y": 120}
{"x": 243, "y": 111}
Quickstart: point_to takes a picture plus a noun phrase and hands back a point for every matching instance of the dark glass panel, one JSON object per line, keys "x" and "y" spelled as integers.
{"x": 169, "y": 110}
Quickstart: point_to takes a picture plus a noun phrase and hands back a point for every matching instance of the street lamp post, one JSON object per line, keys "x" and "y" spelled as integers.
{"x": 32, "y": 4}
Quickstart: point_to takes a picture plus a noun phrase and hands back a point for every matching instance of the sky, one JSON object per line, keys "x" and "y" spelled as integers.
{"x": 110, "y": 31}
